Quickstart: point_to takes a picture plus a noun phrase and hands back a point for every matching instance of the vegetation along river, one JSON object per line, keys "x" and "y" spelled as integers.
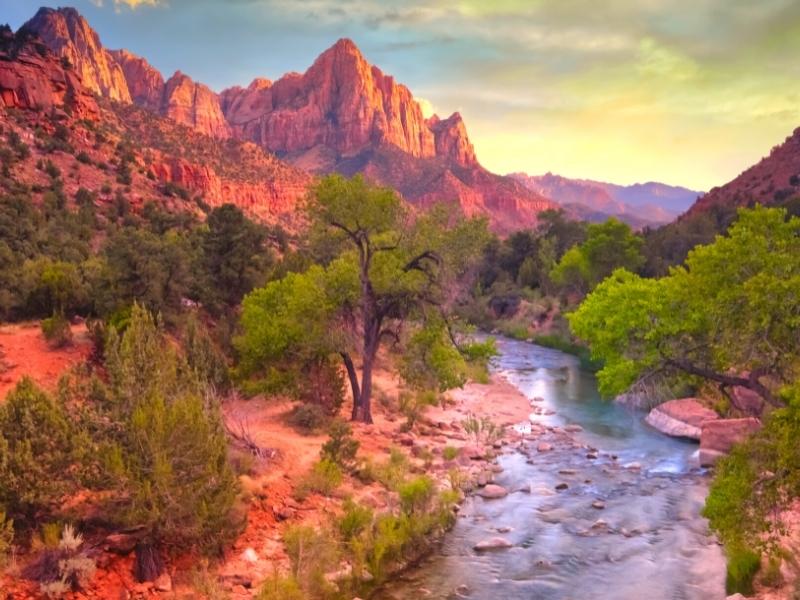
{"x": 627, "y": 527}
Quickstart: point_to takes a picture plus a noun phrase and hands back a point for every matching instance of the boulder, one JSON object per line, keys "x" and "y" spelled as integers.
{"x": 492, "y": 492}
{"x": 680, "y": 418}
{"x": 495, "y": 543}
{"x": 717, "y": 437}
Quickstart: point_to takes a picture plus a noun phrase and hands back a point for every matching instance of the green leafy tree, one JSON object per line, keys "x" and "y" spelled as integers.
{"x": 608, "y": 246}
{"x": 382, "y": 269}
{"x": 729, "y": 316}
{"x": 751, "y": 488}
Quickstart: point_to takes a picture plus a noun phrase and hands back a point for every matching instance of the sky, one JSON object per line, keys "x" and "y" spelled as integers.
{"x": 688, "y": 92}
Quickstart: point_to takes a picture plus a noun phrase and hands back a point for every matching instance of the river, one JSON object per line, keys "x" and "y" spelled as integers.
{"x": 627, "y": 527}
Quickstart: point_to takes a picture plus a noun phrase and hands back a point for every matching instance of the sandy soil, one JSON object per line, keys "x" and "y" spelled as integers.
{"x": 23, "y": 351}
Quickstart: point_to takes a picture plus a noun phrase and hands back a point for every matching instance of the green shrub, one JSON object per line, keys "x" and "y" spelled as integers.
{"x": 413, "y": 404}
{"x": 341, "y": 447}
{"x": 37, "y": 449}
{"x": 743, "y": 564}
{"x": 309, "y": 417}
{"x": 56, "y": 331}
{"x": 324, "y": 477}
{"x": 355, "y": 520}
{"x": 281, "y": 588}
{"x": 313, "y": 553}
{"x": 322, "y": 384}
{"x": 449, "y": 452}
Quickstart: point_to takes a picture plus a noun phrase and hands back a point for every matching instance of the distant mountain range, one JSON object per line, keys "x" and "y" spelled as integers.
{"x": 639, "y": 204}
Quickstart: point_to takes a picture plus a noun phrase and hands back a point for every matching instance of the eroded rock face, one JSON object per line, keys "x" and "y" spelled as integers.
{"x": 451, "y": 139}
{"x": 680, "y": 418}
{"x": 35, "y": 80}
{"x": 145, "y": 82}
{"x": 69, "y": 35}
{"x": 193, "y": 104}
{"x": 718, "y": 436}
{"x": 341, "y": 102}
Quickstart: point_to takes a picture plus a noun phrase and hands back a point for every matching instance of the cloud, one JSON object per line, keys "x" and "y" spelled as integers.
{"x": 132, "y": 4}
{"x": 426, "y": 106}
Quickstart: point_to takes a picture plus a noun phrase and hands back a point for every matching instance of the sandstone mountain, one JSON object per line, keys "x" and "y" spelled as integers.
{"x": 115, "y": 149}
{"x": 639, "y": 204}
{"x": 68, "y": 34}
{"x": 773, "y": 180}
{"x": 342, "y": 115}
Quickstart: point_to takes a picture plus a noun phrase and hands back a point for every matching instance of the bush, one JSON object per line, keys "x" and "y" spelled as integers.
{"x": 449, "y": 453}
{"x": 340, "y": 448}
{"x": 37, "y": 450}
{"x": 309, "y": 417}
{"x": 313, "y": 554}
{"x": 83, "y": 157}
{"x": 413, "y": 404}
{"x": 56, "y": 331}
{"x": 324, "y": 477}
{"x": 281, "y": 588}
{"x": 322, "y": 384}
{"x": 355, "y": 520}
{"x": 416, "y": 495}
{"x": 743, "y": 564}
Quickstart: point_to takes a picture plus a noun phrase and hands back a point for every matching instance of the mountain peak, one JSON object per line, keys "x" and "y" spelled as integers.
{"x": 69, "y": 35}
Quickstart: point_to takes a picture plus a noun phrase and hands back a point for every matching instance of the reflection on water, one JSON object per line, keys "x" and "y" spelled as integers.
{"x": 647, "y": 540}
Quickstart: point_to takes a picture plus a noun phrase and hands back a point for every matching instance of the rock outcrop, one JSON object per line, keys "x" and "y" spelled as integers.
{"x": 451, "y": 140}
{"x": 681, "y": 418}
{"x": 718, "y": 436}
{"x": 31, "y": 78}
{"x": 193, "y": 104}
{"x": 341, "y": 102}
{"x": 145, "y": 82}
{"x": 69, "y": 35}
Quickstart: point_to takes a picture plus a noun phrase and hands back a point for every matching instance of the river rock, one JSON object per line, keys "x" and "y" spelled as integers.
{"x": 680, "y": 418}
{"x": 493, "y": 491}
{"x": 598, "y": 504}
{"x": 573, "y": 428}
{"x": 495, "y": 543}
{"x": 544, "y": 447}
{"x": 718, "y": 437}
{"x": 562, "y": 486}
{"x": 473, "y": 452}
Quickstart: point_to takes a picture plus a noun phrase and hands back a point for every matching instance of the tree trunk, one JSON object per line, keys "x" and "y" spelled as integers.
{"x": 353, "y": 377}
{"x": 149, "y": 564}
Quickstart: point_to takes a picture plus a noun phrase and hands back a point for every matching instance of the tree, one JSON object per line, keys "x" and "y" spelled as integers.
{"x": 166, "y": 450}
{"x": 752, "y": 487}
{"x": 37, "y": 451}
{"x": 383, "y": 268}
{"x": 608, "y": 246}
{"x": 234, "y": 257}
{"x": 729, "y": 316}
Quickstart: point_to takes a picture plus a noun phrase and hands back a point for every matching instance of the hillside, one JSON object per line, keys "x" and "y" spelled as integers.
{"x": 342, "y": 114}
{"x": 775, "y": 179}
{"x": 110, "y": 148}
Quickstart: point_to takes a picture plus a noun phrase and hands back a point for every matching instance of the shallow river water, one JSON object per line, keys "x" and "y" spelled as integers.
{"x": 646, "y": 541}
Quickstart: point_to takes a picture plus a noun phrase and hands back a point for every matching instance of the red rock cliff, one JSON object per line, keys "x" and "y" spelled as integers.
{"x": 193, "y": 104}
{"x": 68, "y": 35}
{"x": 145, "y": 82}
{"x": 341, "y": 102}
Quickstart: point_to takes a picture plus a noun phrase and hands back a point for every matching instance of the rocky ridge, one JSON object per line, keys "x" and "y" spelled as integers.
{"x": 342, "y": 115}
